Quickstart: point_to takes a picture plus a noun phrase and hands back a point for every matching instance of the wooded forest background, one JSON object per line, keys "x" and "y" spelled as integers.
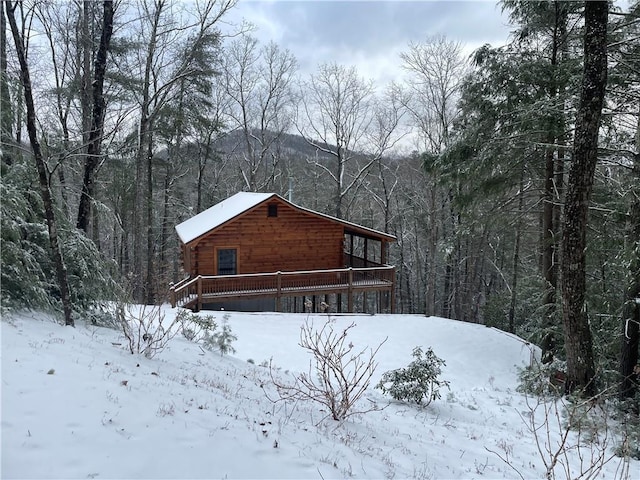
{"x": 147, "y": 112}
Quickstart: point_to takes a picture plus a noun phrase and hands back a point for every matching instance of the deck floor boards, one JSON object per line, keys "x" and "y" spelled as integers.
{"x": 359, "y": 286}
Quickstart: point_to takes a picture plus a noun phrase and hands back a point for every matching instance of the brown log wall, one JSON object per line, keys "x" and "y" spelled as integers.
{"x": 292, "y": 241}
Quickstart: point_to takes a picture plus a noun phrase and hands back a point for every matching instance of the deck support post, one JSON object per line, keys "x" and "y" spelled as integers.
{"x": 350, "y": 292}
{"x": 199, "y": 283}
{"x": 351, "y": 252}
{"x": 393, "y": 291}
{"x": 278, "y": 290}
{"x": 366, "y": 252}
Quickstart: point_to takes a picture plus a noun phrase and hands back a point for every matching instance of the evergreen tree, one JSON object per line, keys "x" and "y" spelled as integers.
{"x": 504, "y": 164}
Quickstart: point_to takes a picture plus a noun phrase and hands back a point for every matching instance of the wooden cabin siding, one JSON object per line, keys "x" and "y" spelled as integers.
{"x": 291, "y": 241}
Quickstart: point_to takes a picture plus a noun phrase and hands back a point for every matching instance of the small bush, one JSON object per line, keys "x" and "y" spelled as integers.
{"x": 204, "y": 330}
{"x": 196, "y": 328}
{"x": 418, "y": 382}
{"x": 102, "y": 316}
{"x": 222, "y": 340}
{"x": 542, "y": 378}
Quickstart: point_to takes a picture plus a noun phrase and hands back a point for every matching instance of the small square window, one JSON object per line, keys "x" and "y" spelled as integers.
{"x": 272, "y": 210}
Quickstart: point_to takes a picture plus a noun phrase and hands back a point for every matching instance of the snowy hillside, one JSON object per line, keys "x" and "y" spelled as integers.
{"x": 76, "y": 404}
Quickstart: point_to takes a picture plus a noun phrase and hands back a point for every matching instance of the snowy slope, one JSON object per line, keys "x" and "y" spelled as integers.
{"x": 76, "y": 404}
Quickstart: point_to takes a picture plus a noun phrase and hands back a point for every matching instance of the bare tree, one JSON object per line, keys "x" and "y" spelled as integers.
{"x": 97, "y": 115}
{"x": 176, "y": 47}
{"x": 412, "y": 232}
{"x": 336, "y": 114}
{"x": 436, "y": 70}
{"x": 258, "y": 82}
{"x": 385, "y": 132}
{"x": 58, "y": 22}
{"x": 43, "y": 174}
{"x": 6, "y": 110}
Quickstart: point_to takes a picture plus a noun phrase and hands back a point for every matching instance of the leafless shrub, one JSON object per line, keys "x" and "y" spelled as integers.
{"x": 574, "y": 437}
{"x": 144, "y": 328}
{"x": 338, "y": 375}
{"x": 585, "y": 443}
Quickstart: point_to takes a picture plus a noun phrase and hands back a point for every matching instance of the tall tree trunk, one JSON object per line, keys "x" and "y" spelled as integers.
{"x": 340, "y": 182}
{"x": 6, "y": 111}
{"x": 164, "y": 232}
{"x": 137, "y": 215}
{"x": 515, "y": 264}
{"x": 550, "y": 220}
{"x": 43, "y": 177}
{"x": 97, "y": 119}
{"x": 149, "y": 288}
{"x": 549, "y": 270}
{"x": 432, "y": 253}
{"x": 577, "y": 333}
{"x": 84, "y": 58}
{"x": 202, "y": 164}
{"x": 144, "y": 189}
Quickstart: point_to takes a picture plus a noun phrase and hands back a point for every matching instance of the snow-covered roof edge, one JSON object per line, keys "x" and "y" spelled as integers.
{"x": 241, "y": 202}
{"x": 218, "y": 214}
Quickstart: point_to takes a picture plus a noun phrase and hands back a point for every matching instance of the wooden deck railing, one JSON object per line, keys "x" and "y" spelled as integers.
{"x": 276, "y": 285}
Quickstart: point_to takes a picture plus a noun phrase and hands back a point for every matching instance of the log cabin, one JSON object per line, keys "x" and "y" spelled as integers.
{"x": 258, "y": 251}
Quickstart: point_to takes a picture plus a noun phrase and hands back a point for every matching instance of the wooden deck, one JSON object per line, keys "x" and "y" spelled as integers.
{"x": 194, "y": 292}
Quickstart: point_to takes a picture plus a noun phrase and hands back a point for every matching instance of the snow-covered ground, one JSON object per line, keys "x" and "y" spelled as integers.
{"x": 77, "y": 404}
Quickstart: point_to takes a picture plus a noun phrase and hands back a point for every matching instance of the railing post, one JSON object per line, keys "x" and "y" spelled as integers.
{"x": 172, "y": 295}
{"x": 393, "y": 290}
{"x": 199, "y": 283}
{"x": 350, "y": 292}
{"x": 278, "y": 289}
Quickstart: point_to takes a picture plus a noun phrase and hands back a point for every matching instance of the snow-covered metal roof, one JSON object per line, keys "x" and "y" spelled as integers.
{"x": 241, "y": 202}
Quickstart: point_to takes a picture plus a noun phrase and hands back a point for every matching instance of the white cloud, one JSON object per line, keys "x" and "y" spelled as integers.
{"x": 369, "y": 34}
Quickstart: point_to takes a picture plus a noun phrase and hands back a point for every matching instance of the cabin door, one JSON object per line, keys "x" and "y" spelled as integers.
{"x": 227, "y": 261}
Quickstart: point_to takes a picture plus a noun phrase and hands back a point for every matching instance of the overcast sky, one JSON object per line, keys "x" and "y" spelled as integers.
{"x": 370, "y": 34}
